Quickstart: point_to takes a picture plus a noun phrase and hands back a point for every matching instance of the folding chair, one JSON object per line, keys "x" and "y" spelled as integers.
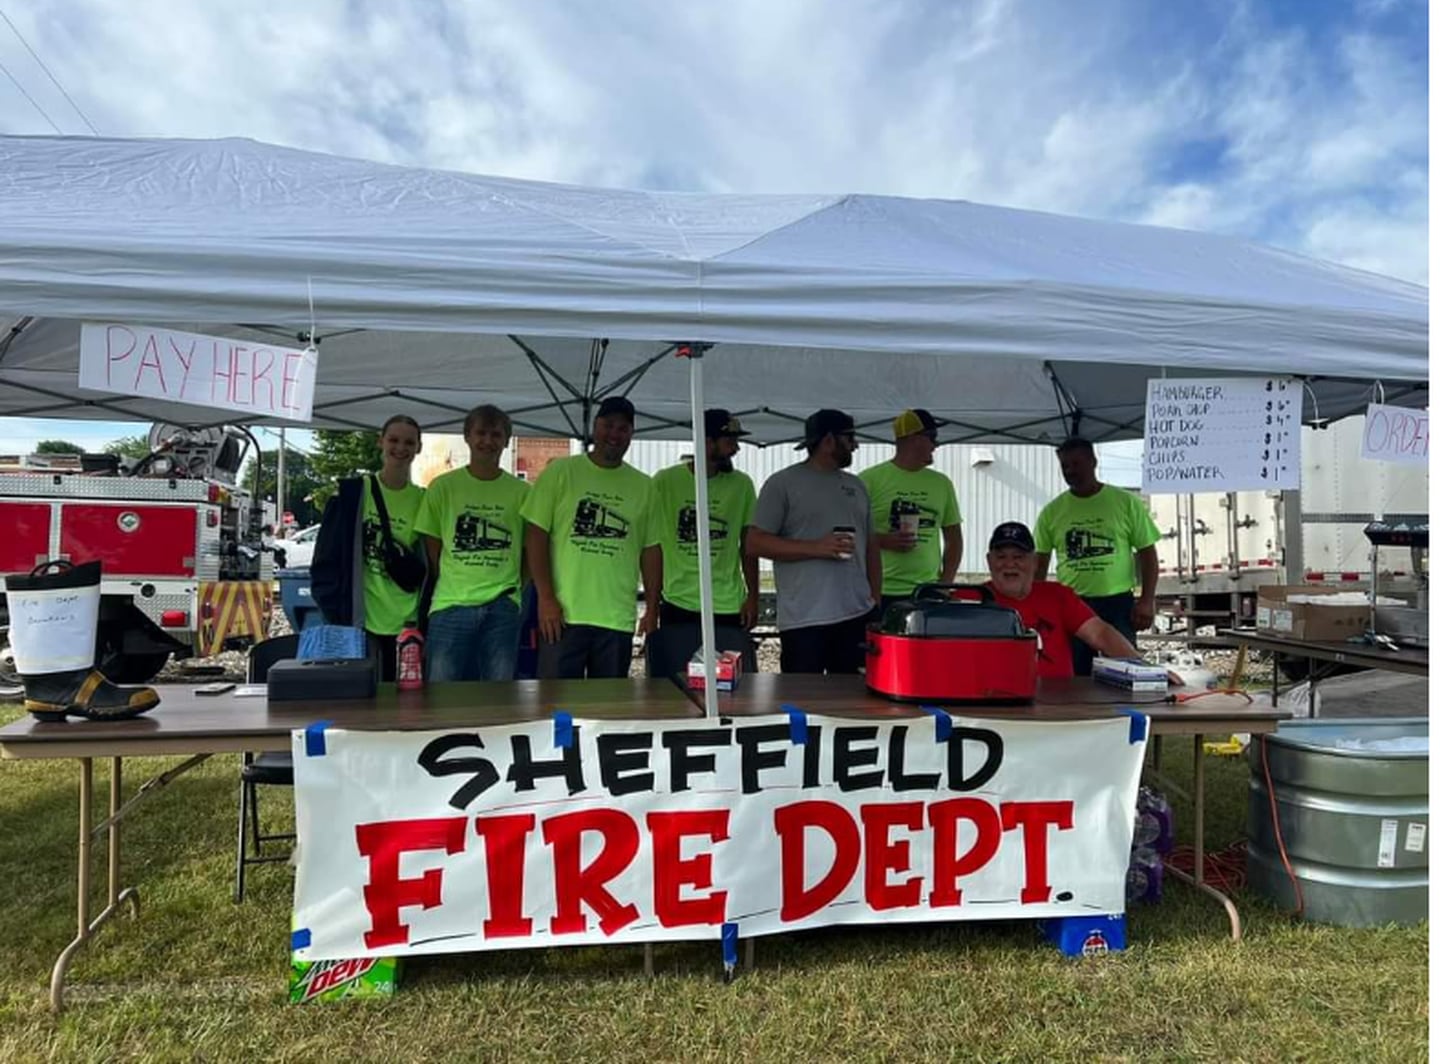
{"x": 269, "y": 769}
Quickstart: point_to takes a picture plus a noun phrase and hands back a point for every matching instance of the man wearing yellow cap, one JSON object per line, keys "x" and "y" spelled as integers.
{"x": 914, "y": 510}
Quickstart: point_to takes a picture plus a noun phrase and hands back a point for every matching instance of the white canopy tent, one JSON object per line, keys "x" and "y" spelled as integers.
{"x": 434, "y": 291}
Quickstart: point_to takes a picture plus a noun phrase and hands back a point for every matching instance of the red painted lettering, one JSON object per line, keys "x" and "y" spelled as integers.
{"x": 1034, "y": 818}
{"x": 386, "y": 893}
{"x": 287, "y": 379}
{"x": 243, "y": 362}
{"x": 262, "y": 376}
{"x": 950, "y": 865}
{"x": 797, "y": 902}
{"x": 672, "y": 873}
{"x": 574, "y": 886}
{"x": 505, "y": 838}
{"x": 185, "y": 361}
{"x": 883, "y": 856}
{"x": 150, "y": 359}
{"x": 127, "y": 340}
{"x": 220, "y": 363}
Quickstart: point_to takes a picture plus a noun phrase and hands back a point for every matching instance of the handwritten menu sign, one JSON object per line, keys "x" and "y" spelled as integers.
{"x": 1221, "y": 434}
{"x": 210, "y": 371}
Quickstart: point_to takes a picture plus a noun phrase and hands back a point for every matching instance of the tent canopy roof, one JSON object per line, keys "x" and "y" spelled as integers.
{"x": 434, "y": 291}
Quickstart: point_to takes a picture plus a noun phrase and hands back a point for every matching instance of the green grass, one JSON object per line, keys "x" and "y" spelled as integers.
{"x": 199, "y": 978}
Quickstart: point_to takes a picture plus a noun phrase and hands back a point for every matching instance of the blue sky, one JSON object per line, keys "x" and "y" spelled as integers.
{"x": 1300, "y": 123}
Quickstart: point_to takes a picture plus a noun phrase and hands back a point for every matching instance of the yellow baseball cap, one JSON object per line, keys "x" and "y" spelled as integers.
{"x": 911, "y": 422}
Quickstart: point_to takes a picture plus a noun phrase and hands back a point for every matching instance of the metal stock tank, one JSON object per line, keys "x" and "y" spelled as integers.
{"x": 1352, "y": 798}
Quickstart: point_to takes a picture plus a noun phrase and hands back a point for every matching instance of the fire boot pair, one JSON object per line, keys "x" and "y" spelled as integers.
{"x": 54, "y": 618}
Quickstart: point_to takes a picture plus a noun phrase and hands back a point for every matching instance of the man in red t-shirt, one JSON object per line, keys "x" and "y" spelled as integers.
{"x": 1052, "y": 609}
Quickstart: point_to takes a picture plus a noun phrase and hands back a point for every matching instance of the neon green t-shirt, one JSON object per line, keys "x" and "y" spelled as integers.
{"x": 388, "y": 609}
{"x": 1094, "y": 539}
{"x": 481, "y": 534}
{"x": 598, "y": 521}
{"x": 732, "y": 504}
{"x": 926, "y": 492}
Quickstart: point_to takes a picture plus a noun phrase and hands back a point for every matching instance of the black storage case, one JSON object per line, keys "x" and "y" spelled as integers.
{"x": 292, "y": 680}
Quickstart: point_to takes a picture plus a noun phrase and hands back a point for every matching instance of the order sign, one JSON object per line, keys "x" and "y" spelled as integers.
{"x": 552, "y": 833}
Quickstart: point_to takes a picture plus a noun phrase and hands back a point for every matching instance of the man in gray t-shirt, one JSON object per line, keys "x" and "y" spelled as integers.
{"x": 813, "y": 520}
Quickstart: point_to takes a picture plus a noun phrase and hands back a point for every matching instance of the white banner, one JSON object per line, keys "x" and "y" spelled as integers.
{"x": 211, "y": 371}
{"x": 1396, "y": 434}
{"x": 553, "y": 834}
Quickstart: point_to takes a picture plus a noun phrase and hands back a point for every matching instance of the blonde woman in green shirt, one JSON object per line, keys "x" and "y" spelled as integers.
{"x": 389, "y": 607}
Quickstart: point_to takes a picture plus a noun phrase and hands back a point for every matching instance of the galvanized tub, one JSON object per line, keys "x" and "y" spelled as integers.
{"x": 1352, "y": 798}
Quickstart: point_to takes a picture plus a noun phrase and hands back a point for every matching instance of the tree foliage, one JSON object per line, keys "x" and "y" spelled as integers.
{"x": 132, "y": 447}
{"x": 302, "y": 486}
{"x": 58, "y": 447}
{"x": 338, "y": 454}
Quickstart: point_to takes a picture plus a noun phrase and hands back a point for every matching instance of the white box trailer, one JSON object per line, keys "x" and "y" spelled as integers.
{"x": 1218, "y": 548}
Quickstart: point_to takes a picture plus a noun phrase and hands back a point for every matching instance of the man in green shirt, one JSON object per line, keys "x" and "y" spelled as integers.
{"x": 1103, "y": 534}
{"x": 734, "y": 574}
{"x": 914, "y": 511}
{"x": 473, "y": 531}
{"x": 590, "y": 533}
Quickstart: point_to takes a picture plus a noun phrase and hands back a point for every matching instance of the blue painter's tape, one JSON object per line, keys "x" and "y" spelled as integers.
{"x": 315, "y": 738}
{"x": 730, "y": 944}
{"x": 299, "y": 938}
{"x": 798, "y": 732}
{"x": 1139, "y": 723}
{"x": 564, "y": 728}
{"x": 943, "y": 724}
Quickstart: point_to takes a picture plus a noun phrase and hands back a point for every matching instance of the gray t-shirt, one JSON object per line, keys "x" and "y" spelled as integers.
{"x": 801, "y": 502}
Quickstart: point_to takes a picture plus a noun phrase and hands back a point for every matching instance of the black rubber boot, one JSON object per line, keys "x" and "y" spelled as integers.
{"x": 54, "y": 614}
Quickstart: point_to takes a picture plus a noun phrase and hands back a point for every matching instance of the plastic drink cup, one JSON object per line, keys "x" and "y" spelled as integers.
{"x": 910, "y": 525}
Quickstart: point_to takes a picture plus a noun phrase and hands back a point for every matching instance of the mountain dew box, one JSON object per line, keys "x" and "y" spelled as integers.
{"x": 361, "y": 977}
{"x": 357, "y": 977}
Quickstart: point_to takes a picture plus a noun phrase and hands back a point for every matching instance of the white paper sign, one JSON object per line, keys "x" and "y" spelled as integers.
{"x": 1395, "y": 434}
{"x": 209, "y": 371}
{"x": 639, "y": 831}
{"x": 1221, "y": 434}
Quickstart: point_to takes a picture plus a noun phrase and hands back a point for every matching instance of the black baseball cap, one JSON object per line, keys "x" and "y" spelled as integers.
{"x": 823, "y": 423}
{"x": 720, "y": 423}
{"x": 1012, "y": 534}
{"x": 617, "y": 406}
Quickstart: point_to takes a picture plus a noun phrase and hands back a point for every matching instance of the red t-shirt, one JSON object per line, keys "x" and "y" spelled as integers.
{"x": 1057, "y": 613}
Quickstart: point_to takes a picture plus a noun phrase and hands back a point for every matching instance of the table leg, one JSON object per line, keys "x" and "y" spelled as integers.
{"x": 85, "y": 927}
{"x": 1197, "y": 878}
{"x": 1310, "y": 684}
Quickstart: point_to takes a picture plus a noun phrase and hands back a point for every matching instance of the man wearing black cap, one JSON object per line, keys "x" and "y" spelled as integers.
{"x": 914, "y": 510}
{"x": 813, "y": 520}
{"x": 1051, "y": 609}
{"x": 590, "y": 532}
{"x": 734, "y": 574}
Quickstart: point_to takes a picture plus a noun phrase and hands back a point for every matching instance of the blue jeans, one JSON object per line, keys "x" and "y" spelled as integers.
{"x": 473, "y": 642}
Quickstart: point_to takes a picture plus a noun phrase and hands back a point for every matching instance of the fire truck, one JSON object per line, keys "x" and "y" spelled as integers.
{"x": 185, "y": 572}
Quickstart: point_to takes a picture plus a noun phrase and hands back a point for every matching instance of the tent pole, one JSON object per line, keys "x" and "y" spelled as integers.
{"x": 702, "y": 529}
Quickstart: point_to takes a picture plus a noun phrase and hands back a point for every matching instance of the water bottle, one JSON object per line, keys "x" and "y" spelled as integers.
{"x": 410, "y": 660}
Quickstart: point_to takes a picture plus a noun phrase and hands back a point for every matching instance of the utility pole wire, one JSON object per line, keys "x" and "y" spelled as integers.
{"x": 33, "y": 104}
{"x": 54, "y": 80}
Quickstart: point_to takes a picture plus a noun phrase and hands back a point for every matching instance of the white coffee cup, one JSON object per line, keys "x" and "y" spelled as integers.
{"x": 910, "y": 525}
{"x": 848, "y": 532}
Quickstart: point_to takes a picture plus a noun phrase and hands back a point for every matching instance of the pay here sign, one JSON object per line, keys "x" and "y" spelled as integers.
{"x": 253, "y": 378}
{"x": 577, "y": 832}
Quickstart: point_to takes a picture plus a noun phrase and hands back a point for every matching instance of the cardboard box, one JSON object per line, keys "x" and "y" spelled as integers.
{"x": 1315, "y": 621}
{"x": 728, "y": 666}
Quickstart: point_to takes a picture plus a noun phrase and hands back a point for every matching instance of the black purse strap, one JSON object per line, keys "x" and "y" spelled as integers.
{"x": 379, "y": 498}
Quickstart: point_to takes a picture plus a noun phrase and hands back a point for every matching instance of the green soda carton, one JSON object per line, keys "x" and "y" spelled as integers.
{"x": 359, "y": 977}
{"x": 356, "y": 977}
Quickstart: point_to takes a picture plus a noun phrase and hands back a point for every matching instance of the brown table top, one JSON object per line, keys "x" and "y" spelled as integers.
{"x": 1414, "y": 662}
{"x": 185, "y": 722}
{"x": 1073, "y": 699}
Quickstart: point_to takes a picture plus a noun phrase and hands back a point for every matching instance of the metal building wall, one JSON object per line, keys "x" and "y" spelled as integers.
{"x": 1007, "y": 482}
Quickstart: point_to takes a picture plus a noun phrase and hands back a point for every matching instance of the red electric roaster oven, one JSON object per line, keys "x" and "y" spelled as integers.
{"x": 952, "y": 643}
